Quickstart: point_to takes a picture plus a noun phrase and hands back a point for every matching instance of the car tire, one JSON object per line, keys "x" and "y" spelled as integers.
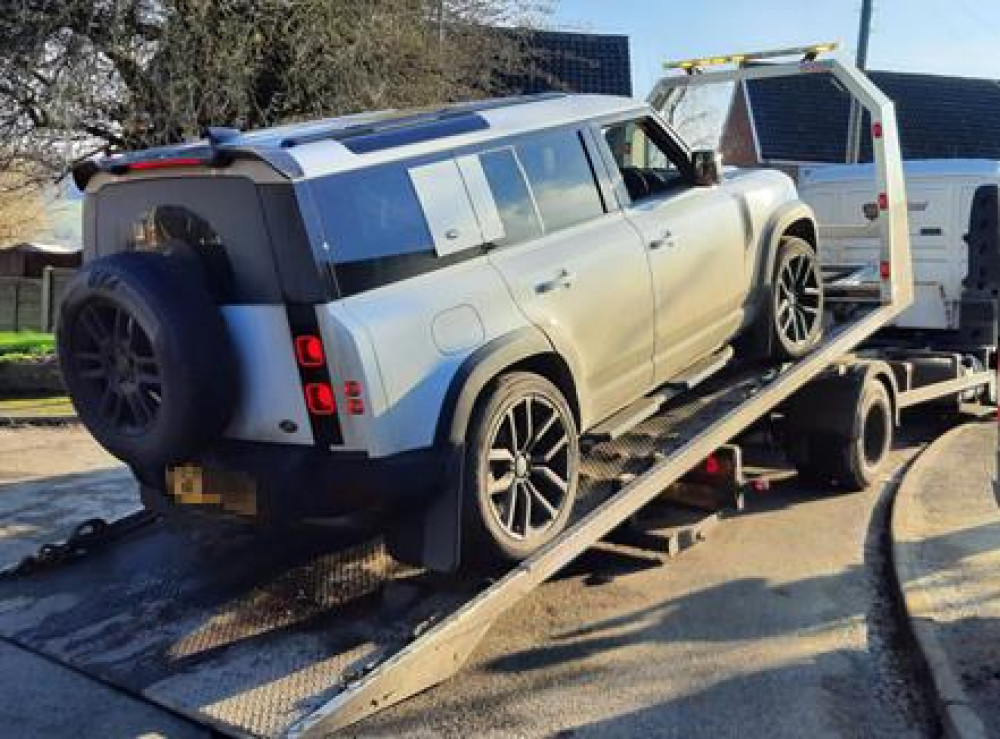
{"x": 146, "y": 357}
{"x": 521, "y": 470}
{"x": 796, "y": 300}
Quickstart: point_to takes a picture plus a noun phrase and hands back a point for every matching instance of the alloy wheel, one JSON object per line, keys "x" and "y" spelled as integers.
{"x": 529, "y": 467}
{"x": 114, "y": 357}
{"x": 798, "y": 310}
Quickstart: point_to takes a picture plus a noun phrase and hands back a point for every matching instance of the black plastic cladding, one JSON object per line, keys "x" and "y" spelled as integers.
{"x": 326, "y": 429}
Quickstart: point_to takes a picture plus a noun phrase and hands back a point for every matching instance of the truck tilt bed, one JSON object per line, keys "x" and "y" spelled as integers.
{"x": 270, "y": 639}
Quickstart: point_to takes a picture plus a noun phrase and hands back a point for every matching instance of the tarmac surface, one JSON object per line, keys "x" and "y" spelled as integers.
{"x": 946, "y": 532}
{"x": 781, "y": 624}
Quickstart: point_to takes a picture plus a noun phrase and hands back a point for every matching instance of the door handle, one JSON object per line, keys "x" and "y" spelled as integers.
{"x": 664, "y": 239}
{"x": 563, "y": 280}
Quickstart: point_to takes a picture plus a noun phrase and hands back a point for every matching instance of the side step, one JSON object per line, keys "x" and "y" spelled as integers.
{"x": 648, "y": 406}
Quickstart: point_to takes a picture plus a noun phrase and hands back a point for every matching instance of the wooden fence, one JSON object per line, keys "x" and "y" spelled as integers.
{"x": 28, "y": 304}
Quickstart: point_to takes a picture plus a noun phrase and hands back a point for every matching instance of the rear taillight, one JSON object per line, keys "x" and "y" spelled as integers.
{"x": 320, "y": 399}
{"x": 309, "y": 351}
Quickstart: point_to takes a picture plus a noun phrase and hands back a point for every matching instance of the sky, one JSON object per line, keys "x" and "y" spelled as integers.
{"x": 955, "y": 37}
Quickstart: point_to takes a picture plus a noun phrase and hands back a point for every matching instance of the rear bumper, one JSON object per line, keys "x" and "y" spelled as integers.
{"x": 294, "y": 482}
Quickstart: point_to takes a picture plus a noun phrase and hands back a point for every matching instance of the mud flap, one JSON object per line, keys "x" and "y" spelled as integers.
{"x": 434, "y": 539}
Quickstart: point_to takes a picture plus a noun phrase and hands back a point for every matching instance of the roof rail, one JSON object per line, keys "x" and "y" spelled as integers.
{"x": 404, "y": 120}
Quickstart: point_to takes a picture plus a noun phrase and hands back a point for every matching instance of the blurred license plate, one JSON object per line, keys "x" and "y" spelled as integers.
{"x": 187, "y": 485}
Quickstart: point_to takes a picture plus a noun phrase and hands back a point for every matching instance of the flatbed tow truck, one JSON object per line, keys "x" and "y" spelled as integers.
{"x": 281, "y": 636}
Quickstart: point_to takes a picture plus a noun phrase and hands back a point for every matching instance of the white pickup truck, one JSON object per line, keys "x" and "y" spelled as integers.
{"x": 954, "y": 232}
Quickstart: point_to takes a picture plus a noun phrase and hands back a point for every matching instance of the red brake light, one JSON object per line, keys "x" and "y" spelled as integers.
{"x": 712, "y": 465}
{"x": 884, "y": 269}
{"x": 356, "y": 406}
{"x": 167, "y": 163}
{"x": 883, "y": 201}
{"x": 319, "y": 399}
{"x": 876, "y": 130}
{"x": 309, "y": 351}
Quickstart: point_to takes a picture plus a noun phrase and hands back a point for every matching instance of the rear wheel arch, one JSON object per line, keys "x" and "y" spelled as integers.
{"x": 525, "y": 350}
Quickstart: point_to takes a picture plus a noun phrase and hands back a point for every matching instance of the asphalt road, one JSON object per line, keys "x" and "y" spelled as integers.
{"x": 780, "y": 625}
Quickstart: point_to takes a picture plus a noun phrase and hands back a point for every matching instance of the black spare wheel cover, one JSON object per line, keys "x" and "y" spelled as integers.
{"x": 147, "y": 357}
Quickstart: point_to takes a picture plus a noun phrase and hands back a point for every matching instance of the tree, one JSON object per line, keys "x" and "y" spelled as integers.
{"x": 79, "y": 77}
{"x": 21, "y": 210}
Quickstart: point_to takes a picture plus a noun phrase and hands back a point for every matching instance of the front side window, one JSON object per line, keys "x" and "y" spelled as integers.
{"x": 561, "y": 179}
{"x": 642, "y": 155}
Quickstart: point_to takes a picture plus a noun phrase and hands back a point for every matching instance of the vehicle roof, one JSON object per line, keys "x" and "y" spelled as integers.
{"x": 833, "y": 173}
{"x": 316, "y": 148}
{"x": 500, "y": 118}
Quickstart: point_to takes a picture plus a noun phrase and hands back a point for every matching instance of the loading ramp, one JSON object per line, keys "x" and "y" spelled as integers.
{"x": 285, "y": 638}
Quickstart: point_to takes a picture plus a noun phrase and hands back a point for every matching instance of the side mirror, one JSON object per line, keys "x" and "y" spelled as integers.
{"x": 707, "y": 165}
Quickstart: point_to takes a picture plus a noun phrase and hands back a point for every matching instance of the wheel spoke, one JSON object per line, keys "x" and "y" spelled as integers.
{"x": 512, "y": 429}
{"x": 93, "y": 326}
{"x": 147, "y": 380}
{"x": 537, "y": 495}
{"x": 118, "y": 326}
{"x": 554, "y": 479}
{"x": 801, "y": 271}
{"x": 546, "y": 427}
{"x": 501, "y": 455}
{"x": 528, "y": 425}
{"x": 511, "y": 506}
{"x": 801, "y": 327}
{"x": 502, "y": 484}
{"x": 139, "y": 414}
{"x": 527, "y": 507}
{"x": 786, "y": 322}
{"x": 561, "y": 442}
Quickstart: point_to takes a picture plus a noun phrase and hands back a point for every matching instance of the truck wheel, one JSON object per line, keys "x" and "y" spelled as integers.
{"x": 859, "y": 458}
{"x": 796, "y": 307}
{"x": 520, "y": 471}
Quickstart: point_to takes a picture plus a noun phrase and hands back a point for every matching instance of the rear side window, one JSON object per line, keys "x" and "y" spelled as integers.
{"x": 513, "y": 200}
{"x": 561, "y": 178}
{"x": 372, "y": 213}
{"x": 377, "y": 230}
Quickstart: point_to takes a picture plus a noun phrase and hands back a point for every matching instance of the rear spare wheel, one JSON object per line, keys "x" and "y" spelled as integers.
{"x": 146, "y": 357}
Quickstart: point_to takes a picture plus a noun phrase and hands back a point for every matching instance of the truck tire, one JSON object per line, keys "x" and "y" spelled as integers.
{"x": 521, "y": 470}
{"x": 849, "y": 461}
{"x": 796, "y": 305}
{"x": 146, "y": 357}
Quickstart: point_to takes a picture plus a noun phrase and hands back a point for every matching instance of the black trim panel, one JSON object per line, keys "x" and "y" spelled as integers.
{"x": 326, "y": 429}
{"x": 368, "y": 274}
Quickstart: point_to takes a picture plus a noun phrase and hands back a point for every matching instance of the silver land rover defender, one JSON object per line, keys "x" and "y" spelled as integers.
{"x": 305, "y": 321}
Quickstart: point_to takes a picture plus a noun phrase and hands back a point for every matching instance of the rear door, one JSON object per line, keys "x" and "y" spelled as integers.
{"x": 694, "y": 238}
{"x": 575, "y": 266}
